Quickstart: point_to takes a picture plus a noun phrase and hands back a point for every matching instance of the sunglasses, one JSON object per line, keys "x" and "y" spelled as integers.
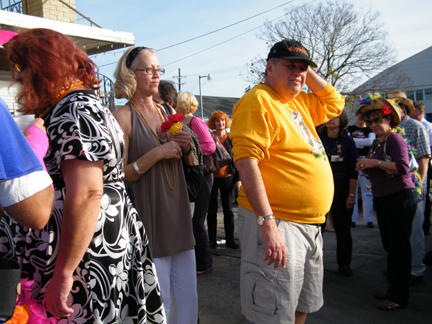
{"x": 378, "y": 119}
{"x": 17, "y": 68}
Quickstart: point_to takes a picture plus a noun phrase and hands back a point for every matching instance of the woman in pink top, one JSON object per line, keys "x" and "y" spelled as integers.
{"x": 187, "y": 105}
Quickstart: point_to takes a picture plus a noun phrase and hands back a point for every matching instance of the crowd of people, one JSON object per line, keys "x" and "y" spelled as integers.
{"x": 96, "y": 206}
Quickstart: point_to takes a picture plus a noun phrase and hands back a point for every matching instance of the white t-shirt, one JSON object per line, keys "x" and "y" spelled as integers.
{"x": 428, "y": 127}
{"x": 14, "y": 190}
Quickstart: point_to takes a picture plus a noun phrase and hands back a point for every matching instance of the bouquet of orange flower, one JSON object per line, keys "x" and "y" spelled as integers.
{"x": 27, "y": 310}
{"x": 173, "y": 124}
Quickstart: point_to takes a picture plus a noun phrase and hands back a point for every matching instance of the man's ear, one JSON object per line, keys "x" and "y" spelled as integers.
{"x": 269, "y": 68}
{"x": 170, "y": 103}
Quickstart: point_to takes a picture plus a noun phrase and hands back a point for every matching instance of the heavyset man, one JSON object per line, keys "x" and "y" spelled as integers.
{"x": 25, "y": 188}
{"x": 287, "y": 186}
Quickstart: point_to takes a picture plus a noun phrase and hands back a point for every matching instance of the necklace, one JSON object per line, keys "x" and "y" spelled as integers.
{"x": 335, "y": 145}
{"x": 157, "y": 138}
{"x": 65, "y": 88}
{"x": 377, "y": 144}
{"x": 61, "y": 92}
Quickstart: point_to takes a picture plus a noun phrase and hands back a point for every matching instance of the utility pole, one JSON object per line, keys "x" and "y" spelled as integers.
{"x": 179, "y": 77}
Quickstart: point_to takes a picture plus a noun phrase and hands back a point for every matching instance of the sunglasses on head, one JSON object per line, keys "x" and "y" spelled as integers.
{"x": 17, "y": 68}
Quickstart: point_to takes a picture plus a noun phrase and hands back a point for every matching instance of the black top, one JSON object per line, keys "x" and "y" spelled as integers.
{"x": 342, "y": 155}
{"x": 233, "y": 170}
{"x": 359, "y": 133}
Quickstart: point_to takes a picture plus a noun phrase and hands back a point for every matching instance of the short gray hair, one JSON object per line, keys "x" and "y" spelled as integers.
{"x": 273, "y": 61}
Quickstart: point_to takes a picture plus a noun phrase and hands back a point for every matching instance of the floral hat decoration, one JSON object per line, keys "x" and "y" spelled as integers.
{"x": 385, "y": 106}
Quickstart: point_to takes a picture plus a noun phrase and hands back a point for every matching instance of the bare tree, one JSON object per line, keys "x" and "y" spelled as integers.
{"x": 346, "y": 43}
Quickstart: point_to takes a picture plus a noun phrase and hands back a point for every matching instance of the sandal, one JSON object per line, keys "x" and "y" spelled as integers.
{"x": 383, "y": 295}
{"x": 329, "y": 229}
{"x": 388, "y": 305}
{"x": 209, "y": 270}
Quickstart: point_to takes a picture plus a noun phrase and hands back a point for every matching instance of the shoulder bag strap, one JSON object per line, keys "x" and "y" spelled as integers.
{"x": 190, "y": 123}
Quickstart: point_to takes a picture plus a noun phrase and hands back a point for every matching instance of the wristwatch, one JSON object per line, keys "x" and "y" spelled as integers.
{"x": 262, "y": 219}
{"x": 352, "y": 195}
{"x": 379, "y": 163}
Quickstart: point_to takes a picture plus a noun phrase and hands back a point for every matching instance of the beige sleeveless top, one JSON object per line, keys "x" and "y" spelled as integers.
{"x": 165, "y": 212}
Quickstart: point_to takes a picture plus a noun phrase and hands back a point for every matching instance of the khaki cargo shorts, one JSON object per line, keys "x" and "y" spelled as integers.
{"x": 273, "y": 296}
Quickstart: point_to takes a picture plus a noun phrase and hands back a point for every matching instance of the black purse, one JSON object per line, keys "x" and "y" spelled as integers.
{"x": 194, "y": 174}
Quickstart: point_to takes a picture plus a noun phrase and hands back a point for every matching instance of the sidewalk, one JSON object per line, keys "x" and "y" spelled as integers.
{"x": 347, "y": 300}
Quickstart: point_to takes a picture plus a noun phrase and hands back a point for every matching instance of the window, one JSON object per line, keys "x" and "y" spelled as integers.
{"x": 410, "y": 94}
{"x": 419, "y": 95}
{"x": 428, "y": 94}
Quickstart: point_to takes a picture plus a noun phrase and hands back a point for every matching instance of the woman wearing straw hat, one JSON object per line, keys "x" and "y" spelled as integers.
{"x": 387, "y": 165}
{"x": 417, "y": 135}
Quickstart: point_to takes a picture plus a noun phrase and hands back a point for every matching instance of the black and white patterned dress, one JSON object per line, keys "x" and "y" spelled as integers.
{"x": 115, "y": 281}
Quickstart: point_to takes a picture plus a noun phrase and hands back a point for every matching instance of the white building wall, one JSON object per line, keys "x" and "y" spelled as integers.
{"x": 419, "y": 68}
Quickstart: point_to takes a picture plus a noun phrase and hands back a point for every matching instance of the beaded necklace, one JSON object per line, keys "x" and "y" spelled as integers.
{"x": 61, "y": 92}
{"x": 157, "y": 138}
{"x": 65, "y": 88}
{"x": 377, "y": 144}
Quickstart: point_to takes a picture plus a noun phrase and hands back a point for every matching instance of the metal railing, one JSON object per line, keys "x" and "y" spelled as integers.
{"x": 106, "y": 91}
{"x": 13, "y": 6}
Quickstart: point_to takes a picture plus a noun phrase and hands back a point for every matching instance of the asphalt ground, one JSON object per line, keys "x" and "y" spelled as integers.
{"x": 347, "y": 300}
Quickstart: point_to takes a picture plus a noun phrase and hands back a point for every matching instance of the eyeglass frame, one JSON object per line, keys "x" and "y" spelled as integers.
{"x": 153, "y": 70}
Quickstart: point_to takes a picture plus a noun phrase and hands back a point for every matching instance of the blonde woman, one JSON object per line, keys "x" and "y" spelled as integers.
{"x": 187, "y": 105}
{"x": 154, "y": 167}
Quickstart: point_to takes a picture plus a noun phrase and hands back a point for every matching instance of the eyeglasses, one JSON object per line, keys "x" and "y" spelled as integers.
{"x": 377, "y": 120}
{"x": 17, "y": 67}
{"x": 152, "y": 71}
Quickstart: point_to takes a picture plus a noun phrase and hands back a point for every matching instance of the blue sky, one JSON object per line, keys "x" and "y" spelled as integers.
{"x": 162, "y": 23}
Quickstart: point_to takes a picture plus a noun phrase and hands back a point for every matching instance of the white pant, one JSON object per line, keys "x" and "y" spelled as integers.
{"x": 178, "y": 284}
{"x": 417, "y": 239}
{"x": 367, "y": 199}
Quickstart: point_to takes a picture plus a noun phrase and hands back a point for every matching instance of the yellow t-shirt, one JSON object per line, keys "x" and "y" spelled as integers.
{"x": 281, "y": 136}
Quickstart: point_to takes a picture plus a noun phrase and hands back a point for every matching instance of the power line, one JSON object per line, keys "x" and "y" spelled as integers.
{"x": 231, "y": 38}
{"x": 226, "y": 69}
{"x": 223, "y": 41}
{"x": 214, "y": 31}
{"x": 211, "y": 47}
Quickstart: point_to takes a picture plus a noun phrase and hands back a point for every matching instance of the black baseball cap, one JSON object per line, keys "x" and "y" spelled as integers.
{"x": 290, "y": 49}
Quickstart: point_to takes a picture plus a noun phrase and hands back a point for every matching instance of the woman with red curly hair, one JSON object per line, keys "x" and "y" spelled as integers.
{"x": 226, "y": 180}
{"x": 91, "y": 262}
